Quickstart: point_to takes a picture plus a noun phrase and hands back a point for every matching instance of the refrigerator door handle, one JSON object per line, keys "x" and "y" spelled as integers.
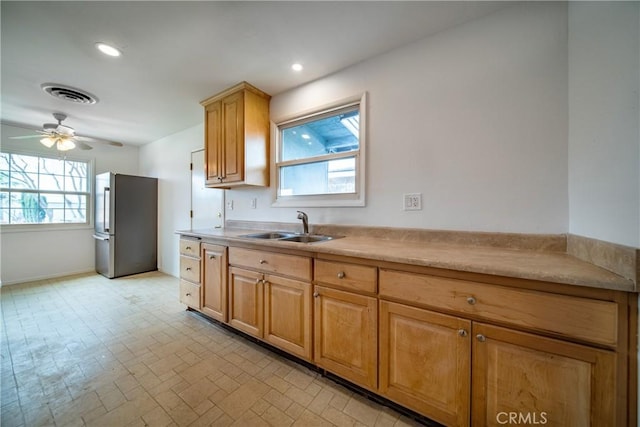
{"x": 95, "y": 236}
{"x": 106, "y": 195}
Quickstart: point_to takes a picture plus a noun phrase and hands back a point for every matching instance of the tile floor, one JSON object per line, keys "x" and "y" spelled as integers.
{"x": 85, "y": 350}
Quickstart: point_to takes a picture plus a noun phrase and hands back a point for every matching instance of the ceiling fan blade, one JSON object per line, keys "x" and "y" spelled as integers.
{"x": 81, "y": 145}
{"x": 99, "y": 141}
{"x": 25, "y": 137}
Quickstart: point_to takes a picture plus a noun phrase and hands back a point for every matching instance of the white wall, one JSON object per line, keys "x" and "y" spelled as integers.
{"x": 168, "y": 160}
{"x": 604, "y": 131}
{"x": 33, "y": 255}
{"x": 474, "y": 118}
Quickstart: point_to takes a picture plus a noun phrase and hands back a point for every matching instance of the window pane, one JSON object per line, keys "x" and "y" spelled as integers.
{"x": 78, "y": 184}
{"x": 76, "y": 208}
{"x": 24, "y": 163}
{"x": 27, "y": 208}
{"x": 4, "y": 170}
{"x": 334, "y": 134}
{"x": 51, "y": 182}
{"x": 4, "y": 207}
{"x": 52, "y": 166}
{"x": 327, "y": 177}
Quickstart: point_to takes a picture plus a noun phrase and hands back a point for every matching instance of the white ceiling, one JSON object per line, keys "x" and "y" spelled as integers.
{"x": 176, "y": 54}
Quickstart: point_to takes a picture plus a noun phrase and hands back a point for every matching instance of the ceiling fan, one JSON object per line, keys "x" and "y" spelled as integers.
{"x": 64, "y": 137}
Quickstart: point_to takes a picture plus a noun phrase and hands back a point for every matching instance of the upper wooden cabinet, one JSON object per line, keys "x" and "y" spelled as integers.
{"x": 237, "y": 137}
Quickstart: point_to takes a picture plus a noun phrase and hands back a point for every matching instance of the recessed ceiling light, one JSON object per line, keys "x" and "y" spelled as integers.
{"x": 108, "y": 49}
{"x": 296, "y": 67}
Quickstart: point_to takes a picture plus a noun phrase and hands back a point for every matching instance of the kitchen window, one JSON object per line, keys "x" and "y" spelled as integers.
{"x": 320, "y": 157}
{"x": 44, "y": 190}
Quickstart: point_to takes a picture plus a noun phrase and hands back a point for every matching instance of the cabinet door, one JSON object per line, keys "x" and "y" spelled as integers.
{"x": 245, "y": 301}
{"x": 287, "y": 315}
{"x": 425, "y": 362}
{"x": 345, "y": 335}
{"x": 542, "y": 380}
{"x": 233, "y": 138}
{"x": 212, "y": 146}
{"x": 214, "y": 262}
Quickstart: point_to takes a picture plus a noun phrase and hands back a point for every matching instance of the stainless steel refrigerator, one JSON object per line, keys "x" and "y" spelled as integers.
{"x": 126, "y": 224}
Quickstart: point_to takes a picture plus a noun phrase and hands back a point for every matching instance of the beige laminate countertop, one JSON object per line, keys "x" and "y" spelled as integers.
{"x": 556, "y": 267}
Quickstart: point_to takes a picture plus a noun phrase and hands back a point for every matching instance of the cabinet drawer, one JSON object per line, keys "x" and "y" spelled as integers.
{"x": 582, "y": 318}
{"x": 190, "y": 294}
{"x": 190, "y": 269}
{"x": 347, "y": 276}
{"x": 190, "y": 248}
{"x": 270, "y": 262}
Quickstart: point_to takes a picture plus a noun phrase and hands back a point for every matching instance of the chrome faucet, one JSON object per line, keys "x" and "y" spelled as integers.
{"x": 305, "y": 221}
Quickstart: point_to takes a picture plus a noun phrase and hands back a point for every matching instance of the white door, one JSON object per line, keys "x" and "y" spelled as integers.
{"x": 207, "y": 204}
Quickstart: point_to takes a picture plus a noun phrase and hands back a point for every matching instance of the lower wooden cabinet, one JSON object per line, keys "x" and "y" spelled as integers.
{"x": 287, "y": 315}
{"x": 345, "y": 335}
{"x": 190, "y": 290}
{"x": 544, "y": 380}
{"x": 425, "y": 362}
{"x": 190, "y": 294}
{"x": 214, "y": 281}
{"x": 273, "y": 308}
{"x": 246, "y": 301}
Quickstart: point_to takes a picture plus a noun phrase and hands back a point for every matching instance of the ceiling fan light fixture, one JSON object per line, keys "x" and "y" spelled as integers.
{"x": 107, "y": 49}
{"x": 65, "y": 144}
{"x": 48, "y": 141}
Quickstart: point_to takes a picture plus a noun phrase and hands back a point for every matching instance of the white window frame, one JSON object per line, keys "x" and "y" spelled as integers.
{"x": 12, "y": 228}
{"x": 356, "y": 199}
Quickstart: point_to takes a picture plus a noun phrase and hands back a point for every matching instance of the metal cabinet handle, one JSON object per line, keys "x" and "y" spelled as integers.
{"x": 462, "y": 332}
{"x": 471, "y": 300}
{"x": 212, "y": 257}
{"x": 263, "y": 261}
{"x": 258, "y": 281}
{"x": 481, "y": 338}
{"x": 188, "y": 269}
{"x": 188, "y": 294}
{"x": 316, "y": 295}
{"x": 188, "y": 248}
{"x": 341, "y": 275}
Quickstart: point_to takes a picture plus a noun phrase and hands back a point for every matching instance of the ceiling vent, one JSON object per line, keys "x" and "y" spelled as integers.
{"x": 68, "y": 93}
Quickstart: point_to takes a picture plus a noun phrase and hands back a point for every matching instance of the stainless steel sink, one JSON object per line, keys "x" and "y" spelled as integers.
{"x": 290, "y": 237}
{"x": 307, "y": 238}
{"x": 270, "y": 235}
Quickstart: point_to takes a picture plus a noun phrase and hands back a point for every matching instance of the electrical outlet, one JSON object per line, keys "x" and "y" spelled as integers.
{"x": 230, "y": 205}
{"x": 412, "y": 202}
{"x": 254, "y": 203}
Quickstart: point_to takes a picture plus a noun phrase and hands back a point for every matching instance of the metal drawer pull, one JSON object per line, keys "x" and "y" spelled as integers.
{"x": 188, "y": 294}
{"x": 471, "y": 300}
{"x": 188, "y": 268}
{"x": 263, "y": 261}
{"x": 212, "y": 257}
{"x": 188, "y": 248}
{"x": 341, "y": 275}
{"x": 481, "y": 338}
{"x": 462, "y": 332}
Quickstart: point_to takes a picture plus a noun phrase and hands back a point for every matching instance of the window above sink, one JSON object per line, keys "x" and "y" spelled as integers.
{"x": 320, "y": 157}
